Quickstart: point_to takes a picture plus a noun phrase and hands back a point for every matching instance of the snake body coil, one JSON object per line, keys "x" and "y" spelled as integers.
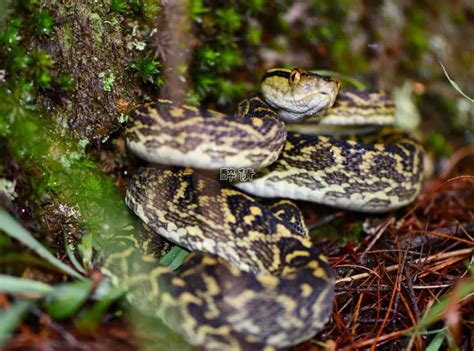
{"x": 256, "y": 281}
{"x": 344, "y": 173}
{"x": 164, "y": 133}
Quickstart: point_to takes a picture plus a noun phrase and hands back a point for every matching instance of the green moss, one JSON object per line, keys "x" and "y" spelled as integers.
{"x": 230, "y": 90}
{"x": 204, "y": 82}
{"x": 417, "y": 39}
{"x": 229, "y": 20}
{"x": 61, "y": 163}
{"x": 437, "y": 143}
{"x": 149, "y": 8}
{"x": 43, "y": 80}
{"x": 42, "y": 64}
{"x": 226, "y": 32}
{"x": 207, "y": 56}
{"x": 196, "y": 9}
{"x": 97, "y": 26}
{"x": 147, "y": 68}
{"x": 193, "y": 98}
{"x": 353, "y": 235}
{"x": 417, "y": 17}
{"x": 119, "y": 5}
{"x": 324, "y": 33}
{"x": 254, "y": 34}
{"x": 65, "y": 81}
{"x": 65, "y": 33}
{"x": 20, "y": 61}
{"x": 5, "y": 12}
{"x": 256, "y": 5}
{"x": 32, "y": 70}
{"x": 42, "y": 59}
{"x": 146, "y": 8}
{"x": 11, "y": 35}
{"x": 108, "y": 79}
{"x": 29, "y": 4}
{"x": 230, "y": 59}
{"x": 44, "y": 22}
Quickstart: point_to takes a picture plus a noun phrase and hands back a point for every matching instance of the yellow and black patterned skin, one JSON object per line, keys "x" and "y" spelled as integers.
{"x": 356, "y": 107}
{"x": 165, "y": 133}
{"x": 349, "y": 174}
{"x": 255, "y": 280}
{"x": 363, "y": 175}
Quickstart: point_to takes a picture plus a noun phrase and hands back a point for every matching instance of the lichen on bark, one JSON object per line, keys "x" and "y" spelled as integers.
{"x": 90, "y": 44}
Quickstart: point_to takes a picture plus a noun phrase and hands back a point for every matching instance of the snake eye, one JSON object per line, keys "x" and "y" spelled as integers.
{"x": 295, "y": 76}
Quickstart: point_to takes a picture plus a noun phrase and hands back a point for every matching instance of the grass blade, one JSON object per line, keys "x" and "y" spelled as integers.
{"x": 455, "y": 85}
{"x": 11, "y": 227}
{"x": 174, "y": 258}
{"x": 461, "y": 291}
{"x": 89, "y": 319}
{"x": 436, "y": 343}
{"x": 11, "y": 317}
{"x": 73, "y": 259}
{"x": 179, "y": 259}
{"x": 15, "y": 285}
{"x": 67, "y": 298}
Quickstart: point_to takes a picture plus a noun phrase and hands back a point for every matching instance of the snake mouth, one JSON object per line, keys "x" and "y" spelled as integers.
{"x": 297, "y": 109}
{"x": 317, "y": 102}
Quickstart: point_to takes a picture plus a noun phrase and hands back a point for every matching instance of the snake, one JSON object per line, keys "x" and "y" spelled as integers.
{"x": 254, "y": 279}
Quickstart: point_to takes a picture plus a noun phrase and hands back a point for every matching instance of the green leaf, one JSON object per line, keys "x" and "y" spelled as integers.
{"x": 12, "y": 228}
{"x": 70, "y": 254}
{"x": 175, "y": 257}
{"x": 90, "y": 319}
{"x": 11, "y": 317}
{"x": 436, "y": 343}
{"x": 15, "y": 285}
{"x": 179, "y": 259}
{"x": 462, "y": 290}
{"x": 455, "y": 85}
{"x": 86, "y": 248}
{"x": 67, "y": 298}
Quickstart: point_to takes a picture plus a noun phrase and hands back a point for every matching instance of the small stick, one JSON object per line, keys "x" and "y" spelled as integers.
{"x": 394, "y": 267}
{"x": 395, "y": 290}
{"x": 382, "y": 229}
{"x": 442, "y": 235}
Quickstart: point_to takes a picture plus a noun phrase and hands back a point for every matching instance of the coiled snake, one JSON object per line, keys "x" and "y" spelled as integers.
{"x": 255, "y": 280}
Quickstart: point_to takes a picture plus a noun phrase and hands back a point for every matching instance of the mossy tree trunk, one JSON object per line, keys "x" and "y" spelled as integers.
{"x": 89, "y": 44}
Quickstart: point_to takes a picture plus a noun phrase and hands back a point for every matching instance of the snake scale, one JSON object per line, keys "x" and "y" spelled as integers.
{"x": 254, "y": 279}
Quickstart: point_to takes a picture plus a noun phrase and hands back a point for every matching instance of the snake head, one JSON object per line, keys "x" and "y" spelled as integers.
{"x": 297, "y": 94}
